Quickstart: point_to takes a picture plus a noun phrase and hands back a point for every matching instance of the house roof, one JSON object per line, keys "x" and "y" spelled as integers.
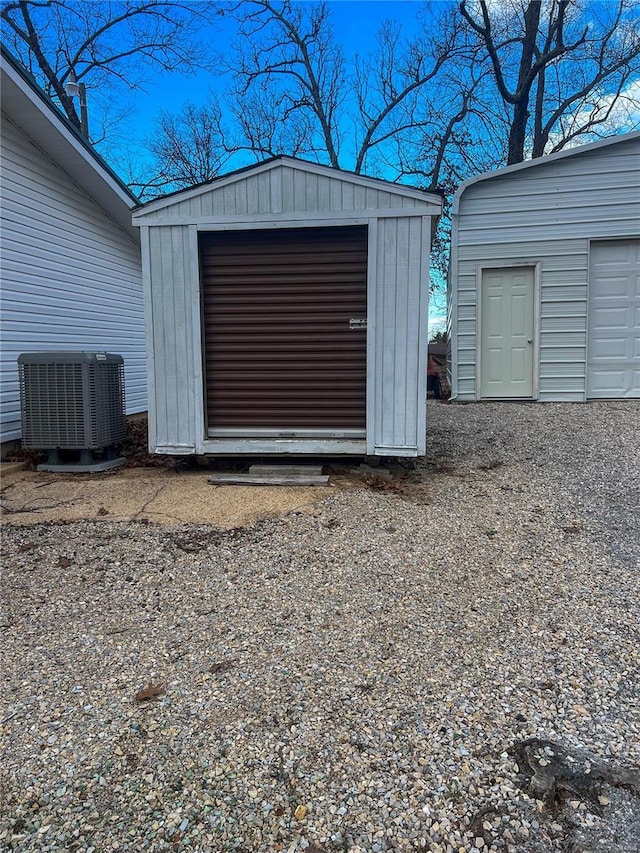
{"x": 25, "y": 104}
{"x": 293, "y": 162}
{"x": 540, "y": 161}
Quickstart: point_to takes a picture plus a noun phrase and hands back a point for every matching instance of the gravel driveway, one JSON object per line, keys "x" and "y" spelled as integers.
{"x": 350, "y": 678}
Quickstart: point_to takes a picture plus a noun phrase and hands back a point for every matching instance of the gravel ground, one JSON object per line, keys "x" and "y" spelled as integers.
{"x": 350, "y": 678}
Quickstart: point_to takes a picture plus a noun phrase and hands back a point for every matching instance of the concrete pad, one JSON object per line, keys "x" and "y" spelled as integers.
{"x": 157, "y": 495}
{"x": 11, "y": 467}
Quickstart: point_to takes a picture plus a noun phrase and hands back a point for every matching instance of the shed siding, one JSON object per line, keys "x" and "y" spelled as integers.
{"x": 400, "y": 311}
{"x": 284, "y": 189}
{"x": 397, "y": 330}
{"x": 545, "y": 214}
{"x": 71, "y": 277}
{"x": 175, "y": 319}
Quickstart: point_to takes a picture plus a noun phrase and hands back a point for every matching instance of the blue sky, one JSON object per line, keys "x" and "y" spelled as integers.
{"x": 356, "y": 23}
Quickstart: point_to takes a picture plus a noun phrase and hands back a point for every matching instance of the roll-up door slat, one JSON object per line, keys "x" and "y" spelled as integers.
{"x": 279, "y": 350}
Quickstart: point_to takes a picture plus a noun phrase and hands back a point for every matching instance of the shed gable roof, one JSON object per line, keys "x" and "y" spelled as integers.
{"x": 287, "y": 185}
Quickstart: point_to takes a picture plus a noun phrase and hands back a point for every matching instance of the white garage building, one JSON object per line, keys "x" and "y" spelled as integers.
{"x": 544, "y": 287}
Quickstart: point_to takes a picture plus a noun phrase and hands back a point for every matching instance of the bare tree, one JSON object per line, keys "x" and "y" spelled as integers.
{"x": 294, "y": 91}
{"x": 192, "y": 148}
{"x": 344, "y": 111}
{"x": 439, "y": 147}
{"x": 286, "y": 53}
{"x": 596, "y": 88}
{"x": 477, "y": 85}
{"x": 560, "y": 71}
{"x": 392, "y": 84}
{"x": 106, "y": 44}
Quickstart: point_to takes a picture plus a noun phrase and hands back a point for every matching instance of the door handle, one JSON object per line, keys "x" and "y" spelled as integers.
{"x": 530, "y": 341}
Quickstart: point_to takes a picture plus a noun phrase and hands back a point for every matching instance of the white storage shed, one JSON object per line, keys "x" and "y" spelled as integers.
{"x": 71, "y": 268}
{"x": 544, "y": 286}
{"x": 287, "y": 308}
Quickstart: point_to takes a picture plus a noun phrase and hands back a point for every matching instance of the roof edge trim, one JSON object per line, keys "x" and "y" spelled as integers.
{"x": 32, "y": 90}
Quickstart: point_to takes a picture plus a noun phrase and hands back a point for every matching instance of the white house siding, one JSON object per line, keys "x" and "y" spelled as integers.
{"x": 283, "y": 196}
{"x": 71, "y": 276}
{"x": 546, "y": 214}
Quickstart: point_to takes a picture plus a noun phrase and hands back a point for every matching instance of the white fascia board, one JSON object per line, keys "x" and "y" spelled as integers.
{"x": 452, "y": 304}
{"x": 48, "y": 131}
{"x": 539, "y": 161}
{"x": 318, "y": 218}
{"x": 150, "y": 207}
{"x": 293, "y": 163}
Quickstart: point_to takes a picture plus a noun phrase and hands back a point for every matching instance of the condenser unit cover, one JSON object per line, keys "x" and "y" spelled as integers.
{"x": 71, "y": 400}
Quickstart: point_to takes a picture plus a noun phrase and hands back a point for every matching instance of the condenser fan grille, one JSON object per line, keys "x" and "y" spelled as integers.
{"x": 71, "y": 401}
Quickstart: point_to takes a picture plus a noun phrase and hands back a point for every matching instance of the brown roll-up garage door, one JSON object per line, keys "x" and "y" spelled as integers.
{"x": 279, "y": 350}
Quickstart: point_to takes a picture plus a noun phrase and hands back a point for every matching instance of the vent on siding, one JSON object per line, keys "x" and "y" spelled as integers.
{"x": 282, "y": 350}
{"x": 71, "y": 401}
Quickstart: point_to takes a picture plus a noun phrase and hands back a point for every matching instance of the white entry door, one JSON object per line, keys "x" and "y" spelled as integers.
{"x": 613, "y": 361}
{"x": 507, "y": 327}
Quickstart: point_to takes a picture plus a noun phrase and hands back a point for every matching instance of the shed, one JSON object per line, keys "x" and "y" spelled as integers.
{"x": 71, "y": 267}
{"x": 287, "y": 309}
{"x": 544, "y": 286}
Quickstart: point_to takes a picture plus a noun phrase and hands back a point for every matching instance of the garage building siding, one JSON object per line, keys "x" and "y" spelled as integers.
{"x": 286, "y": 195}
{"x": 546, "y": 214}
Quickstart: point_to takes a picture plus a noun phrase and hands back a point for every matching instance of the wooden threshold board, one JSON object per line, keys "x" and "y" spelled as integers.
{"x": 273, "y": 475}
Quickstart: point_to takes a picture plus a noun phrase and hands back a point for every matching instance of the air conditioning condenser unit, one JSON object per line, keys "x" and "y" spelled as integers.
{"x": 73, "y": 401}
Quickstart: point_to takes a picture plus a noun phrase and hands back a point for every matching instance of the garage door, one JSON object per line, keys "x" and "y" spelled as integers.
{"x": 282, "y": 353}
{"x": 613, "y": 367}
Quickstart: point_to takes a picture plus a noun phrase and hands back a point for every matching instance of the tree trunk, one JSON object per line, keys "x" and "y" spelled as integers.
{"x": 539, "y": 136}
{"x": 518, "y": 129}
{"x": 539, "y": 144}
{"x": 518, "y": 132}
